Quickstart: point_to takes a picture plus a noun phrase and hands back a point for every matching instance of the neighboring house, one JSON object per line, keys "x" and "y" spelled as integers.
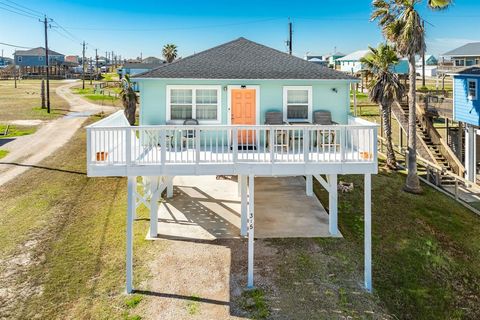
{"x": 431, "y": 66}
{"x": 318, "y": 59}
{"x": 351, "y": 63}
{"x": 229, "y": 89}
{"x": 36, "y": 58}
{"x": 333, "y": 59}
{"x": 4, "y": 61}
{"x": 135, "y": 68}
{"x": 466, "y": 109}
{"x": 153, "y": 60}
{"x": 430, "y": 60}
{"x": 465, "y": 56}
{"x": 72, "y": 60}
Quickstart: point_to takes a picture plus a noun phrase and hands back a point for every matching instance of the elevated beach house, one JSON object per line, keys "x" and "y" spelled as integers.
{"x": 466, "y": 109}
{"x": 239, "y": 109}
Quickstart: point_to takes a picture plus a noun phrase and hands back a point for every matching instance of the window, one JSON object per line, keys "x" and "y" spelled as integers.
{"x": 19, "y": 58}
{"x": 459, "y": 63}
{"x": 193, "y": 102}
{"x": 40, "y": 58}
{"x": 472, "y": 89}
{"x": 297, "y": 104}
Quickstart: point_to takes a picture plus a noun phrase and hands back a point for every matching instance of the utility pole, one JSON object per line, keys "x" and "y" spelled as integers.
{"x": 90, "y": 68}
{"x": 83, "y": 66}
{"x": 96, "y": 61}
{"x": 423, "y": 58}
{"x": 290, "y": 36}
{"x": 15, "y": 67}
{"x": 45, "y": 22}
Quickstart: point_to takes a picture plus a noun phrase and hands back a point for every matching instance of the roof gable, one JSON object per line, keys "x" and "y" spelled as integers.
{"x": 243, "y": 59}
{"x": 354, "y": 56}
{"x": 40, "y": 51}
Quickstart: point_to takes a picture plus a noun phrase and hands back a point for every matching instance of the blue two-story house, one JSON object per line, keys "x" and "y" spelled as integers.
{"x": 36, "y": 57}
{"x": 466, "y": 109}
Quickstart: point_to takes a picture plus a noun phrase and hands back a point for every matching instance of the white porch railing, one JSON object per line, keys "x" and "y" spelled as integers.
{"x": 111, "y": 145}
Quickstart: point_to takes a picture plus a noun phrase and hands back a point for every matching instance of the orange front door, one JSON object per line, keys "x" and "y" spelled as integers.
{"x": 244, "y": 112}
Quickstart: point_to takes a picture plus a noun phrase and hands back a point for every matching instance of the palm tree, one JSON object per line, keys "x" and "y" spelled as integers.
{"x": 384, "y": 88}
{"x": 402, "y": 25}
{"x": 169, "y": 52}
{"x": 129, "y": 99}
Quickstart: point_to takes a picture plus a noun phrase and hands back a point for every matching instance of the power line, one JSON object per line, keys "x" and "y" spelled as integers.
{"x": 176, "y": 28}
{"x": 20, "y": 9}
{"x": 19, "y": 13}
{"x": 22, "y": 6}
{"x": 66, "y": 31}
{"x": 14, "y": 46}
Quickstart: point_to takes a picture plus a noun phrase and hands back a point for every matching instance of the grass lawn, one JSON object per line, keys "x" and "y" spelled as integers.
{"x": 73, "y": 227}
{"x": 24, "y": 102}
{"x": 109, "y": 98}
{"x": 16, "y": 131}
{"x": 3, "y": 153}
{"x": 426, "y": 249}
{"x": 111, "y": 76}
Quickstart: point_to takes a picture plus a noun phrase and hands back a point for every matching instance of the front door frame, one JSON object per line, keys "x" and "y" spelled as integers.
{"x": 229, "y": 101}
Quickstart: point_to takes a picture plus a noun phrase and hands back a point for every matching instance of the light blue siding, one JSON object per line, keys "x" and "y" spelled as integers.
{"x": 153, "y": 97}
{"x": 466, "y": 110}
{"x": 38, "y": 61}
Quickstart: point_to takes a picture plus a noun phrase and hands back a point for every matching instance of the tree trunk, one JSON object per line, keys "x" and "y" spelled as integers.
{"x": 412, "y": 183}
{"x": 387, "y": 130}
{"x": 130, "y": 109}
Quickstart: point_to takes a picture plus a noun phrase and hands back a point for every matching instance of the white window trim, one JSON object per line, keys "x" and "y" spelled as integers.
{"x": 19, "y": 58}
{"x": 476, "y": 89}
{"x": 310, "y": 102}
{"x": 194, "y": 104}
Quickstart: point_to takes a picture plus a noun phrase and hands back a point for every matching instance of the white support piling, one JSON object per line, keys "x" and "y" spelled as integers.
{"x": 239, "y": 185}
{"x": 154, "y": 190}
{"x": 332, "y": 205}
{"x": 309, "y": 185}
{"x": 368, "y": 232}
{"x": 169, "y": 186}
{"x": 132, "y": 185}
{"x": 251, "y": 228}
{"x": 244, "y": 205}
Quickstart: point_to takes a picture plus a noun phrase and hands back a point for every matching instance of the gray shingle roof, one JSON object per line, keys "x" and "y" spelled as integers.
{"x": 37, "y": 52}
{"x": 470, "y": 49}
{"x": 243, "y": 59}
{"x": 470, "y": 71}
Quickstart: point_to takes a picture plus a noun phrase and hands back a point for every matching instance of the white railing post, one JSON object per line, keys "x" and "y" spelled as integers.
{"x": 375, "y": 144}
{"x": 271, "y": 143}
{"x": 89, "y": 147}
{"x": 235, "y": 144}
{"x": 306, "y": 144}
{"x": 343, "y": 144}
{"x": 128, "y": 146}
{"x": 368, "y": 232}
{"x": 163, "y": 146}
{"x": 197, "y": 145}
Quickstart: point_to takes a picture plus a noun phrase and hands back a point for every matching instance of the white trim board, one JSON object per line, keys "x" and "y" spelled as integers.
{"x": 309, "y": 105}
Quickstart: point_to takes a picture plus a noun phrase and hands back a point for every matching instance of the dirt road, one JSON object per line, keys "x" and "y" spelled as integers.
{"x": 28, "y": 151}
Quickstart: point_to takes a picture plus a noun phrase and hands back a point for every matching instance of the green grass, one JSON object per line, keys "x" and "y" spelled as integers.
{"x": 3, "y": 153}
{"x": 77, "y": 227}
{"x": 24, "y": 102}
{"x": 16, "y": 131}
{"x": 108, "y": 98}
{"x": 426, "y": 248}
{"x": 253, "y": 301}
{"x": 193, "y": 306}
{"x": 111, "y": 76}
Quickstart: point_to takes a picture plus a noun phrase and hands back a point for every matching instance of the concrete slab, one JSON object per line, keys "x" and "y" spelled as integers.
{"x": 207, "y": 208}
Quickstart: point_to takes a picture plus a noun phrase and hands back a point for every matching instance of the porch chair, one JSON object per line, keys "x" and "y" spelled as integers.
{"x": 189, "y": 135}
{"x": 324, "y": 118}
{"x": 280, "y": 138}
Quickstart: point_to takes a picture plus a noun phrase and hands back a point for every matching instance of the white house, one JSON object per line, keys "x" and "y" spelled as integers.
{"x": 351, "y": 62}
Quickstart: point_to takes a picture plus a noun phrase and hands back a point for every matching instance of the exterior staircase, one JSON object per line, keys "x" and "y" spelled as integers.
{"x": 426, "y": 147}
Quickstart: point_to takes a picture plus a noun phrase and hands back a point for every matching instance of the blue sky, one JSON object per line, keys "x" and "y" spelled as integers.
{"x": 129, "y": 27}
